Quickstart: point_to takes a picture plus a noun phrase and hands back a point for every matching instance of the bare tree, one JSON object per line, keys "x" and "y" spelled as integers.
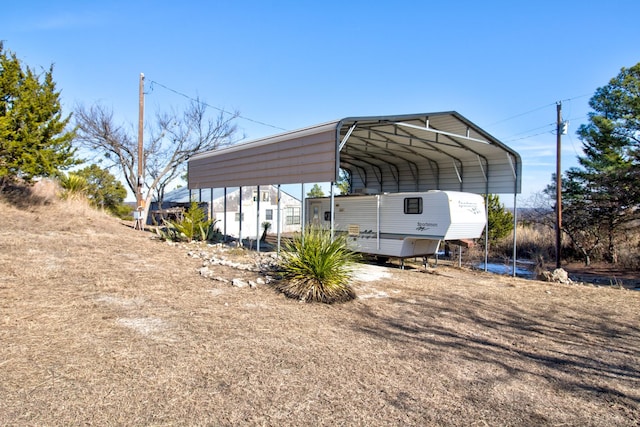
{"x": 172, "y": 139}
{"x": 583, "y": 233}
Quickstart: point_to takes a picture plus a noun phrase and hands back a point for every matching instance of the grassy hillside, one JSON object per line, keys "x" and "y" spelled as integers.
{"x": 101, "y": 324}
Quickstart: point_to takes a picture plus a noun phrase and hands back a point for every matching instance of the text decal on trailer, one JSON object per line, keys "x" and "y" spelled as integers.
{"x": 422, "y": 226}
{"x": 470, "y": 206}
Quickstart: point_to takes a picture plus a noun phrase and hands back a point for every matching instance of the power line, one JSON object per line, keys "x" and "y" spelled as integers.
{"x": 537, "y": 109}
{"x": 529, "y": 136}
{"x": 153, "y": 82}
{"x": 511, "y": 138}
{"x": 531, "y": 130}
{"x": 521, "y": 114}
{"x": 212, "y": 106}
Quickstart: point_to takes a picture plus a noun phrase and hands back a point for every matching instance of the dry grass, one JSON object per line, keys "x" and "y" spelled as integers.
{"x": 103, "y": 325}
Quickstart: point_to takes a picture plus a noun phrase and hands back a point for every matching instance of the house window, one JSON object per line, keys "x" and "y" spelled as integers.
{"x": 293, "y": 216}
{"x": 269, "y": 214}
{"x": 413, "y": 205}
{"x": 238, "y": 216}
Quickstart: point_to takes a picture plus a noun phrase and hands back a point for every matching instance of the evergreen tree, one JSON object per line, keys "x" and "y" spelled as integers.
{"x": 316, "y": 191}
{"x": 33, "y": 140}
{"x": 500, "y": 219}
{"x": 344, "y": 182}
{"x": 601, "y": 196}
{"x": 103, "y": 189}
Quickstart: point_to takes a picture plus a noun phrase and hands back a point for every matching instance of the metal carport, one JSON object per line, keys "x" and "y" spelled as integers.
{"x": 412, "y": 152}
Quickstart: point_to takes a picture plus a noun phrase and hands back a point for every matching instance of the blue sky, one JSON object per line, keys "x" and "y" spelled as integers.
{"x": 291, "y": 64}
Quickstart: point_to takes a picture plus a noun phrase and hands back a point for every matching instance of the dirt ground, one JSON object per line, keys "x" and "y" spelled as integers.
{"x": 104, "y": 325}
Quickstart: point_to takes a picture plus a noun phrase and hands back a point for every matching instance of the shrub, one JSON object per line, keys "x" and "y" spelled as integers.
{"x": 194, "y": 225}
{"x": 316, "y": 268}
{"x": 74, "y": 187}
{"x": 266, "y": 226}
{"x": 500, "y": 220}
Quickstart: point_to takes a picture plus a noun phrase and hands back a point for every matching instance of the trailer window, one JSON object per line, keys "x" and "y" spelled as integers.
{"x": 413, "y": 205}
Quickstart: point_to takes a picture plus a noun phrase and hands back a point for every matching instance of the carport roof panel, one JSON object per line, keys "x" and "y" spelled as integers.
{"x": 304, "y": 155}
{"x": 313, "y": 154}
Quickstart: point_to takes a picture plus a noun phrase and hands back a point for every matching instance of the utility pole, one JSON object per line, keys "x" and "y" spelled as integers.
{"x": 559, "y": 130}
{"x": 139, "y": 196}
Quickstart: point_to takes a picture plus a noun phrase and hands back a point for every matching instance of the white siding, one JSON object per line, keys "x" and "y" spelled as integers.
{"x": 389, "y": 231}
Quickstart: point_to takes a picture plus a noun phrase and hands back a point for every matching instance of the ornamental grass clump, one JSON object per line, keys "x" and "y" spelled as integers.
{"x": 316, "y": 268}
{"x": 74, "y": 187}
{"x": 194, "y": 225}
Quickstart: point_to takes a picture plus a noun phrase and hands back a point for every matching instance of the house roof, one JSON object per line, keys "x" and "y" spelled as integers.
{"x": 186, "y": 195}
{"x": 414, "y": 152}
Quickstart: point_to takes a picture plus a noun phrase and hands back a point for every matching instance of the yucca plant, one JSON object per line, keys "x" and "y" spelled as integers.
{"x": 315, "y": 267}
{"x": 266, "y": 226}
{"x": 167, "y": 232}
{"x": 194, "y": 225}
{"x": 74, "y": 187}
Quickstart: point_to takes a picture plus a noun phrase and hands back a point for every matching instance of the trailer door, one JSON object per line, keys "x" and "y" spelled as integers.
{"x": 316, "y": 212}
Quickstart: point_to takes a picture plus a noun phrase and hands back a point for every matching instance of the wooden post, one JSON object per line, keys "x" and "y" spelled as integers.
{"x": 140, "y": 183}
{"x": 558, "y": 185}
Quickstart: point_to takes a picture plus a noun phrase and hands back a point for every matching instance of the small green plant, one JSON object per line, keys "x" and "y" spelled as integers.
{"x": 168, "y": 232}
{"x": 500, "y": 220}
{"x": 266, "y": 226}
{"x": 74, "y": 187}
{"x": 193, "y": 226}
{"x": 316, "y": 268}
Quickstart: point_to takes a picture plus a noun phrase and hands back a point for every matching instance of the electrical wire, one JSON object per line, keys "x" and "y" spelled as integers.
{"x": 212, "y": 106}
{"x": 531, "y": 130}
{"x": 511, "y": 138}
{"x": 153, "y": 82}
{"x": 521, "y": 114}
{"x": 529, "y": 136}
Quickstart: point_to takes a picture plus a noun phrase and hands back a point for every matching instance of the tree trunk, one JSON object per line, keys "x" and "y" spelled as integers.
{"x": 145, "y": 211}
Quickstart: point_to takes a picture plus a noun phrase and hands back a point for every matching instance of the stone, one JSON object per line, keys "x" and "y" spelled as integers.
{"x": 239, "y": 283}
{"x": 560, "y": 275}
{"x": 204, "y": 271}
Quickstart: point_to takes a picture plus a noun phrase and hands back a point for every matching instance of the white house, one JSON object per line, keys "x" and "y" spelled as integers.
{"x": 241, "y": 219}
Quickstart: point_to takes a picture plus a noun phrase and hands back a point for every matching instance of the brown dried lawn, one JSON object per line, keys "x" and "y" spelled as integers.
{"x": 101, "y": 324}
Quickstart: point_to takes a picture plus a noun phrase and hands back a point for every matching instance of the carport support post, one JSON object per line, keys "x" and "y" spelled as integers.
{"x": 279, "y": 220}
{"x": 211, "y": 204}
{"x": 258, "y": 219}
{"x": 240, "y": 219}
{"x": 224, "y": 208}
{"x": 331, "y": 210}
{"x": 486, "y": 233}
{"x": 515, "y": 231}
{"x": 304, "y": 201}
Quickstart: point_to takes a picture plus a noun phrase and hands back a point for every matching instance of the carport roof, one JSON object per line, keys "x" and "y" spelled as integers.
{"x": 412, "y": 152}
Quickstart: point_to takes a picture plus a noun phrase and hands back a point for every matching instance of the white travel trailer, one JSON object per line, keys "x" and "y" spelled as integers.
{"x": 401, "y": 225}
